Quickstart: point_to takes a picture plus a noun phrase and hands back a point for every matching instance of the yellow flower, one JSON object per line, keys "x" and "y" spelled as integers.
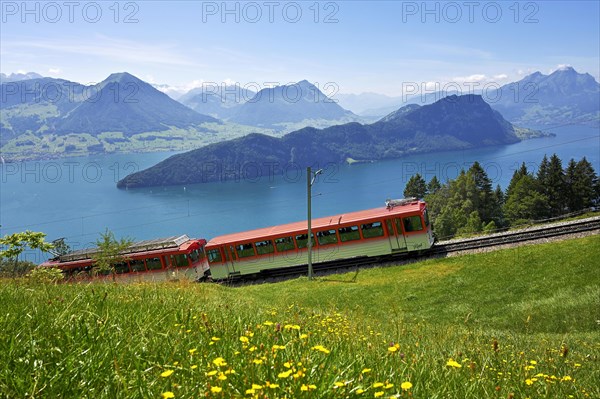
{"x": 321, "y": 348}
{"x": 364, "y": 371}
{"x": 244, "y": 339}
{"x": 303, "y": 336}
{"x": 532, "y": 362}
{"x": 219, "y": 362}
{"x": 378, "y": 385}
{"x": 168, "y": 395}
{"x": 529, "y": 381}
{"x": 222, "y": 377}
{"x": 250, "y": 391}
{"x": 284, "y": 374}
{"x": 378, "y": 394}
{"x": 359, "y": 391}
{"x": 194, "y": 367}
{"x": 287, "y": 365}
{"x": 192, "y": 351}
{"x": 215, "y": 339}
{"x": 388, "y": 386}
{"x": 268, "y": 323}
{"x": 453, "y": 363}
{"x": 257, "y": 361}
{"x": 566, "y": 378}
{"x": 256, "y": 387}
{"x": 166, "y": 373}
{"x": 338, "y": 384}
{"x": 305, "y": 387}
{"x": 392, "y": 349}
{"x": 406, "y": 385}
{"x": 216, "y": 389}
{"x": 273, "y": 386}
{"x": 211, "y": 373}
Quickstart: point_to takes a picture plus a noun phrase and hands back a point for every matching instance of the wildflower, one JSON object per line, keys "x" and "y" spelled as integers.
{"x": 256, "y": 387}
{"x": 250, "y": 391}
{"x": 532, "y": 362}
{"x": 211, "y": 373}
{"x": 453, "y": 363}
{"x": 378, "y": 385}
{"x": 378, "y": 394}
{"x": 284, "y": 374}
{"x": 406, "y": 385}
{"x": 275, "y": 347}
{"x": 194, "y": 366}
{"x": 216, "y": 389}
{"x": 388, "y": 386}
{"x": 529, "y": 381}
{"x": 359, "y": 391}
{"x": 244, "y": 339}
{"x": 321, "y": 348}
{"x": 215, "y": 339}
{"x": 192, "y": 351}
{"x": 222, "y": 377}
{"x": 303, "y": 336}
{"x": 257, "y": 361}
{"x": 305, "y": 387}
{"x": 338, "y": 384}
{"x": 219, "y": 362}
{"x": 268, "y": 323}
{"x": 365, "y": 371}
{"x": 168, "y": 395}
{"x": 273, "y": 386}
{"x": 287, "y": 365}
{"x": 167, "y": 373}
{"x": 566, "y": 378}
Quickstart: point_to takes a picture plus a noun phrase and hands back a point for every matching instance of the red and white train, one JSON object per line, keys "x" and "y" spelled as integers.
{"x": 402, "y": 226}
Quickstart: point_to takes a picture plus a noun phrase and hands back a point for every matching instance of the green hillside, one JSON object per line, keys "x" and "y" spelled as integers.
{"x": 518, "y": 323}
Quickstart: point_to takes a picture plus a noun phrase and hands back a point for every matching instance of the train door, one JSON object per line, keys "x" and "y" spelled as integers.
{"x": 397, "y": 239}
{"x": 229, "y": 252}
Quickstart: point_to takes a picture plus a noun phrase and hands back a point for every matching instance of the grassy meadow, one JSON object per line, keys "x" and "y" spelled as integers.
{"x": 517, "y": 323}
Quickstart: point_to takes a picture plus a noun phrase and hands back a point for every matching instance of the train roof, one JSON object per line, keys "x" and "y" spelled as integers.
{"x": 320, "y": 223}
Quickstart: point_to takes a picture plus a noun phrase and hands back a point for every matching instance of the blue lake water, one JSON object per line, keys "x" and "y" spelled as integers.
{"x": 77, "y": 198}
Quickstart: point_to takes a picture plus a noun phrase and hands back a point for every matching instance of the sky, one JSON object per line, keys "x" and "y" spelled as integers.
{"x": 341, "y": 46}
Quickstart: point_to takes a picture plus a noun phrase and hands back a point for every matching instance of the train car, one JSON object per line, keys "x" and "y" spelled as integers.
{"x": 162, "y": 259}
{"x": 401, "y": 226}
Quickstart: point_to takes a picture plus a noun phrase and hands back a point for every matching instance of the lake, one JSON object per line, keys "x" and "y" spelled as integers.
{"x": 77, "y": 198}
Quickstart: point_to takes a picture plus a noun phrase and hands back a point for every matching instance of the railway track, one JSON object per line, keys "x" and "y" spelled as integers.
{"x": 444, "y": 248}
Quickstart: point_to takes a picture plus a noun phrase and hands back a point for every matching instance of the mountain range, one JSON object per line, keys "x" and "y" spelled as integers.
{"x": 47, "y": 117}
{"x": 455, "y": 122}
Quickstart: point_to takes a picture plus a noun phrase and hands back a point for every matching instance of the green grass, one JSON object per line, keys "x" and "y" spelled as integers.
{"x": 518, "y": 323}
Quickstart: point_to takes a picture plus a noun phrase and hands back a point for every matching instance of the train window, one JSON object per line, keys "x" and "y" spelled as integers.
{"x": 244, "y": 250}
{"x": 264, "y": 247}
{"x": 195, "y": 255}
{"x": 412, "y": 223}
{"x": 153, "y": 264}
{"x": 390, "y": 228}
{"x": 121, "y": 268}
{"x": 302, "y": 240}
{"x": 284, "y": 244}
{"x": 137, "y": 265}
{"x": 426, "y": 217}
{"x": 370, "y": 230}
{"x": 327, "y": 237}
{"x": 214, "y": 255}
{"x": 179, "y": 260}
{"x": 349, "y": 233}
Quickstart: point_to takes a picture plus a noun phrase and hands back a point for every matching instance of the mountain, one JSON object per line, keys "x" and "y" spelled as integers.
{"x": 364, "y": 103}
{"x": 124, "y": 103}
{"x": 565, "y": 96}
{"x": 295, "y": 103}
{"x": 15, "y": 77}
{"x": 217, "y": 101}
{"x": 454, "y": 122}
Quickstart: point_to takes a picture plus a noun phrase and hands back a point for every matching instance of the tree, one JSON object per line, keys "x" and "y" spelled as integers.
{"x": 434, "y": 185}
{"x": 16, "y": 243}
{"x": 485, "y": 203}
{"x": 110, "y": 252}
{"x": 415, "y": 187}
{"x": 551, "y": 179}
{"x": 525, "y": 202}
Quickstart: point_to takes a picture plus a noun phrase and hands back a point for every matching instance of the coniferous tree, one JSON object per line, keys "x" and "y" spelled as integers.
{"x": 415, "y": 187}
{"x": 584, "y": 186}
{"x": 551, "y": 179}
{"x": 525, "y": 202}
{"x": 434, "y": 185}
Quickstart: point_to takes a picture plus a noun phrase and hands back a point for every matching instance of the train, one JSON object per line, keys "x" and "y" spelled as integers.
{"x": 399, "y": 227}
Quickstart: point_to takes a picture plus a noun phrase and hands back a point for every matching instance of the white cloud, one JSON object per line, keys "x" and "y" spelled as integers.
{"x": 54, "y": 71}
{"x": 471, "y": 78}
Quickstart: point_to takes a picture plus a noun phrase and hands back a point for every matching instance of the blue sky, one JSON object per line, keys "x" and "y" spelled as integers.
{"x": 356, "y": 46}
